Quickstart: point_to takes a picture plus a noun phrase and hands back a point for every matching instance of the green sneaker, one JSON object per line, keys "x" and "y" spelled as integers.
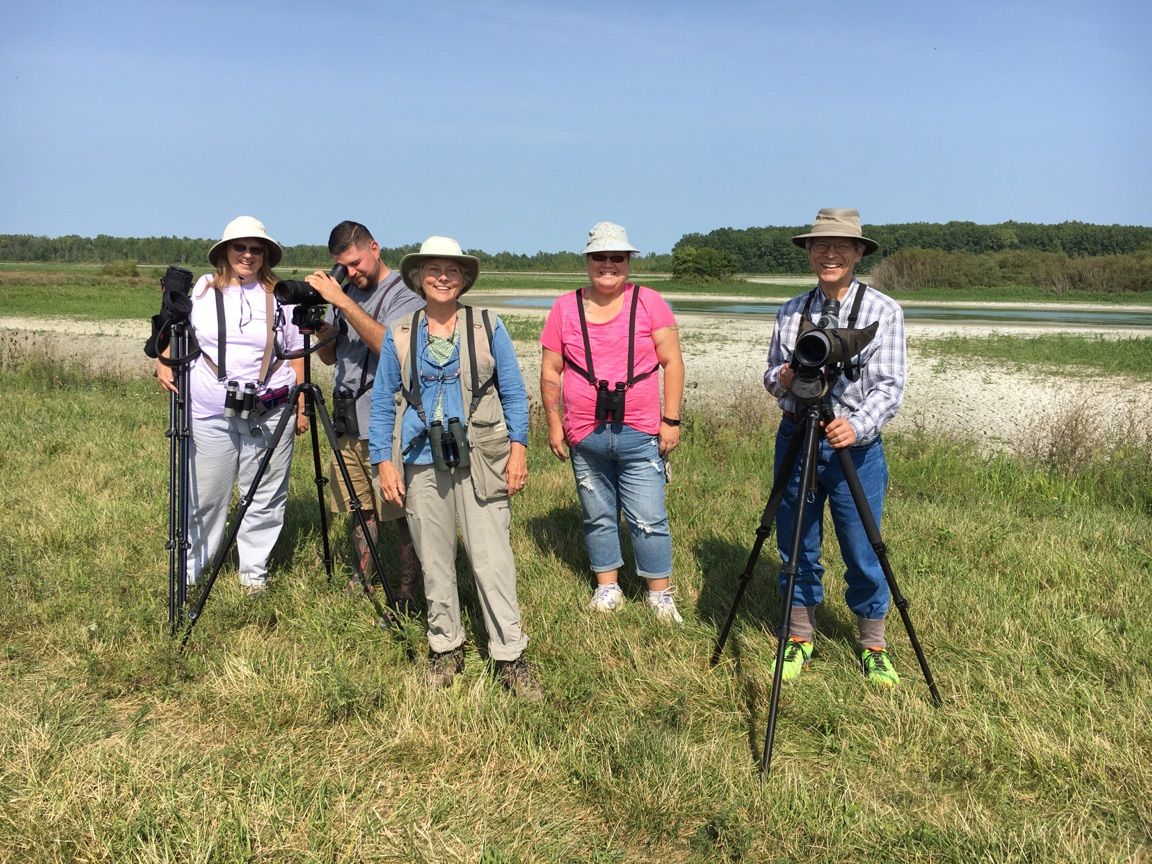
{"x": 797, "y": 655}
{"x": 877, "y": 667}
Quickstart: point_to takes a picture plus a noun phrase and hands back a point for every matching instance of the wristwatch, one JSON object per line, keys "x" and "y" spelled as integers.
{"x": 670, "y": 421}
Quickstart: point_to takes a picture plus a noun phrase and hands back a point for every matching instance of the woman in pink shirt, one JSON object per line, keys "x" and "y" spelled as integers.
{"x": 603, "y": 349}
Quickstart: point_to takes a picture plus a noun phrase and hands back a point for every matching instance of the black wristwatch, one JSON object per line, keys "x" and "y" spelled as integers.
{"x": 669, "y": 421}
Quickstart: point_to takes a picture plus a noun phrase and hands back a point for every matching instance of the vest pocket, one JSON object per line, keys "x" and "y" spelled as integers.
{"x": 490, "y": 448}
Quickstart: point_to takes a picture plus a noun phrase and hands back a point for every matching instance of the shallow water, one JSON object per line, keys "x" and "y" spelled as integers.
{"x": 951, "y": 313}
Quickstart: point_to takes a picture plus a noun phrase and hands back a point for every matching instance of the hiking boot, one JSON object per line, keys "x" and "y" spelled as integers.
{"x": 519, "y": 679}
{"x": 444, "y": 666}
{"x": 664, "y": 606}
{"x": 607, "y": 597}
{"x": 254, "y": 589}
{"x": 877, "y": 667}
{"x": 797, "y": 655}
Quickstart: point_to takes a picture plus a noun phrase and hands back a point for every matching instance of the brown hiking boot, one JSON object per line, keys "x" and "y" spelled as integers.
{"x": 444, "y": 666}
{"x": 519, "y": 678}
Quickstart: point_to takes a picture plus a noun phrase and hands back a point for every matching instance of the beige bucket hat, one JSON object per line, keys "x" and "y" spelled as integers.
{"x": 438, "y": 247}
{"x": 238, "y": 229}
{"x": 837, "y": 222}
{"x": 608, "y": 237}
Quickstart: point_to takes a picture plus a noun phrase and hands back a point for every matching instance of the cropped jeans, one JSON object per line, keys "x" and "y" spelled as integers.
{"x": 619, "y": 469}
{"x": 867, "y": 593}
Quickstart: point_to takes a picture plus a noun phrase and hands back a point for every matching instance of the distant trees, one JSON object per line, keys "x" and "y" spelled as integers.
{"x": 701, "y": 264}
{"x": 770, "y": 250}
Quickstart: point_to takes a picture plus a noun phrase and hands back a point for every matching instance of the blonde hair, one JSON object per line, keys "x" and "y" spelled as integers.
{"x": 225, "y": 274}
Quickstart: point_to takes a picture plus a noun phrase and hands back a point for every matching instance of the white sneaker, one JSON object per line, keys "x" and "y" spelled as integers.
{"x": 607, "y": 598}
{"x": 664, "y": 606}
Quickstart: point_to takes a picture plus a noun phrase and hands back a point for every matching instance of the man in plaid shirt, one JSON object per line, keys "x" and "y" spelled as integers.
{"x": 865, "y": 397}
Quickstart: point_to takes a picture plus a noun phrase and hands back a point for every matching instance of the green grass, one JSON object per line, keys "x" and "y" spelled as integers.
{"x": 1130, "y": 356}
{"x": 81, "y": 291}
{"x": 294, "y": 730}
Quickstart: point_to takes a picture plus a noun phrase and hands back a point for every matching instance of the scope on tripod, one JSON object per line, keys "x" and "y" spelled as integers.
{"x": 816, "y": 346}
{"x": 177, "y": 280}
{"x": 298, "y": 292}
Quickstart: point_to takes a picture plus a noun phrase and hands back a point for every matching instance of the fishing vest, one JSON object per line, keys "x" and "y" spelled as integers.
{"x": 487, "y": 431}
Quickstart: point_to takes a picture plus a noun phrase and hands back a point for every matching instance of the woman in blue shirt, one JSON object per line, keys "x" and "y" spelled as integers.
{"x": 449, "y": 440}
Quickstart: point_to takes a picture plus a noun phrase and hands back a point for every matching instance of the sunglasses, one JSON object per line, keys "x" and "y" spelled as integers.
{"x": 240, "y": 249}
{"x": 600, "y": 258}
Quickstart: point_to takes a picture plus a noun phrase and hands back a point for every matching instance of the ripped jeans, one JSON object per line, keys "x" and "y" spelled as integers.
{"x": 619, "y": 469}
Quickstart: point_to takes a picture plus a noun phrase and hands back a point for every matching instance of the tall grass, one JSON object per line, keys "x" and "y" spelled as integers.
{"x": 293, "y": 729}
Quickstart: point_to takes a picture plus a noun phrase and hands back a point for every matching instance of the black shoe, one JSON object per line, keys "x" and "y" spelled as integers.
{"x": 444, "y": 666}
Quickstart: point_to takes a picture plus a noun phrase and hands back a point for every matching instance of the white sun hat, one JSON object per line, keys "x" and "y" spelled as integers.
{"x": 238, "y": 229}
{"x": 608, "y": 237}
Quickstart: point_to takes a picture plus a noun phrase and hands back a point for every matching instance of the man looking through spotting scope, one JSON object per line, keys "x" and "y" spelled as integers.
{"x": 864, "y": 392}
{"x": 373, "y": 295}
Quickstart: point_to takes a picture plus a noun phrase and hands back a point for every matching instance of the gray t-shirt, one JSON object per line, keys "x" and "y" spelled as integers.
{"x": 355, "y": 361}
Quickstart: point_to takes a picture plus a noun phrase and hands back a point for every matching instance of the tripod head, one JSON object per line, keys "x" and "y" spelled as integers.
{"x": 821, "y": 354}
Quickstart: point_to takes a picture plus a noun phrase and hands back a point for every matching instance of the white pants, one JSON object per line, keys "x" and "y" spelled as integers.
{"x": 224, "y": 452}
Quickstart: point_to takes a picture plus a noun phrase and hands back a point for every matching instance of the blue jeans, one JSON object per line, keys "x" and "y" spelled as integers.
{"x": 867, "y": 594}
{"x": 619, "y": 469}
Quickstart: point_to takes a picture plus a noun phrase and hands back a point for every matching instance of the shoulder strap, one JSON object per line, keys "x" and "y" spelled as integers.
{"x": 219, "y": 369}
{"x": 478, "y": 390}
{"x": 852, "y": 370}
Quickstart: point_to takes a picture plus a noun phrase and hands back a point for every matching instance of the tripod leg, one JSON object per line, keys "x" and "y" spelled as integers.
{"x": 811, "y": 445}
{"x": 245, "y": 503}
{"x": 358, "y": 509}
{"x": 767, "y": 518}
{"x": 848, "y": 467}
{"x": 311, "y": 397}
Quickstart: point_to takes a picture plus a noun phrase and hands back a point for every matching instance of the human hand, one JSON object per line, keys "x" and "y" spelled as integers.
{"x": 166, "y": 377}
{"x": 669, "y": 438}
{"x": 558, "y": 444}
{"x": 326, "y": 286}
{"x": 839, "y": 433}
{"x": 391, "y": 483}
{"x": 517, "y": 471}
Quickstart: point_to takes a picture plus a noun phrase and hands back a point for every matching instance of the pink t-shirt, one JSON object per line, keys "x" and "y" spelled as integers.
{"x": 609, "y": 343}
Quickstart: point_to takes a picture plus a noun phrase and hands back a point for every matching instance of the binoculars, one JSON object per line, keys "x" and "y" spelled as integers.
{"x": 449, "y": 445}
{"x": 344, "y": 420}
{"x": 236, "y": 403}
{"x": 610, "y": 403}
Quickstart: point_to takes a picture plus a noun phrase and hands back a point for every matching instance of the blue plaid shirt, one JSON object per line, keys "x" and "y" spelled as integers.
{"x": 872, "y": 400}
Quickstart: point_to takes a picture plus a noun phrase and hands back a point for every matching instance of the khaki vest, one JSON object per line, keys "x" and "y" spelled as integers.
{"x": 488, "y": 441}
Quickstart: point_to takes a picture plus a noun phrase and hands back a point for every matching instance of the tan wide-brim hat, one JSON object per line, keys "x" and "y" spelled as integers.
{"x": 608, "y": 237}
{"x": 837, "y": 222}
{"x": 240, "y": 228}
{"x": 438, "y": 247}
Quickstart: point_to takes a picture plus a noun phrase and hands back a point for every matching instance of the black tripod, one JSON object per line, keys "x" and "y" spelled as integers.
{"x": 807, "y": 446}
{"x": 314, "y": 406}
{"x": 179, "y": 473}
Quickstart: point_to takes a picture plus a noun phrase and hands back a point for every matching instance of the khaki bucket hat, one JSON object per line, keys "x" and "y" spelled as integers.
{"x": 438, "y": 247}
{"x": 238, "y": 229}
{"x": 837, "y": 222}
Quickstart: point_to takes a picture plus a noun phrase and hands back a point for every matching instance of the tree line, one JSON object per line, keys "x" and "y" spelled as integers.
{"x": 191, "y": 251}
{"x": 726, "y": 251}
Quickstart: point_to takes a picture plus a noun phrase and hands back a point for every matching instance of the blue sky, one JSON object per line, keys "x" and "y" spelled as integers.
{"x": 515, "y": 125}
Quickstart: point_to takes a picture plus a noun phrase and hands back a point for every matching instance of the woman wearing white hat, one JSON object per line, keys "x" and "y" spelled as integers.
{"x": 234, "y": 320}
{"x": 606, "y": 343}
{"x": 449, "y": 439}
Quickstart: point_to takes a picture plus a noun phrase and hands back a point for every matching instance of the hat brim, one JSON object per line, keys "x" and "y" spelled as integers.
{"x": 411, "y": 263}
{"x": 870, "y": 246}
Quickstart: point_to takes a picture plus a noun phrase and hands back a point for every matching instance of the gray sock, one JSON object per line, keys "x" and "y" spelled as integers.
{"x": 871, "y": 633}
{"x": 802, "y": 622}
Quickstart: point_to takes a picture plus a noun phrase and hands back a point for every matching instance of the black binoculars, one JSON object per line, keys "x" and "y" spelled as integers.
{"x": 449, "y": 445}
{"x": 344, "y": 420}
{"x": 610, "y": 403}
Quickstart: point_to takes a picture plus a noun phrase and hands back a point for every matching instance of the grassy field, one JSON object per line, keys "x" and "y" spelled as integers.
{"x": 294, "y": 730}
{"x": 82, "y": 291}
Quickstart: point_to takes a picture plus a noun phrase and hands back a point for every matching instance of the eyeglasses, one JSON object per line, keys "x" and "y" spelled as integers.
{"x": 841, "y": 246}
{"x": 240, "y": 249}
{"x": 600, "y": 258}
